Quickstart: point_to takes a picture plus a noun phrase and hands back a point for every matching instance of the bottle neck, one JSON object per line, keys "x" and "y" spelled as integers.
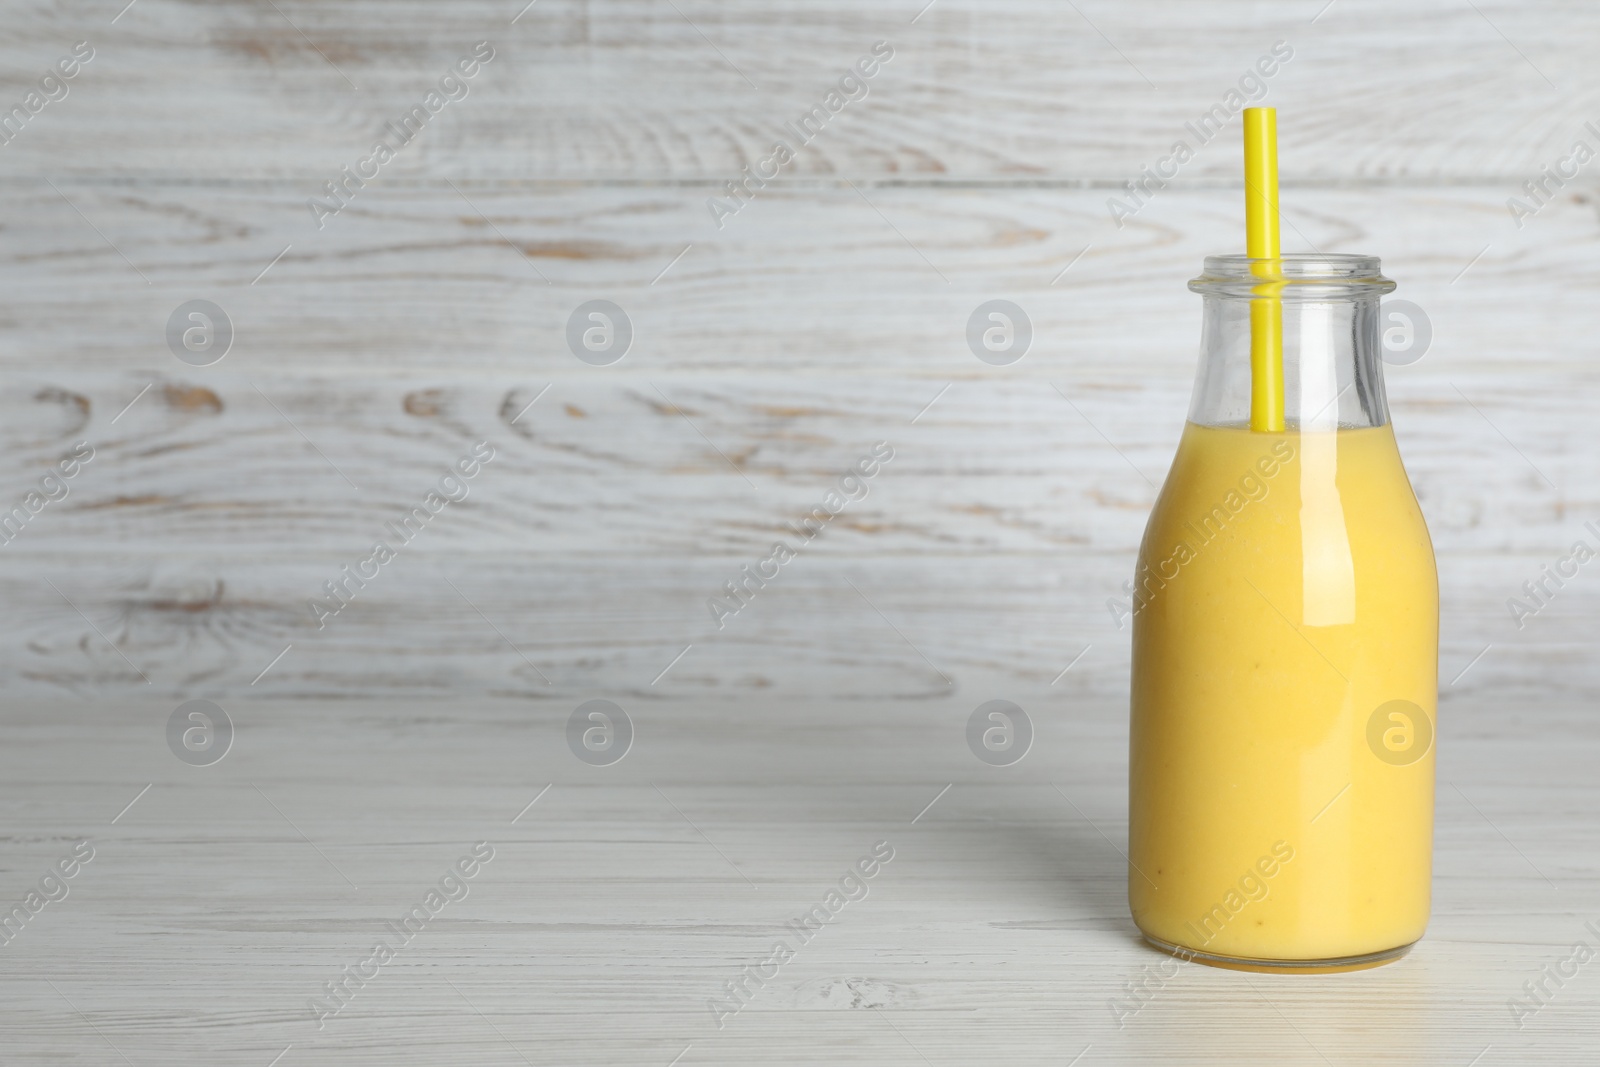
{"x": 1332, "y": 353}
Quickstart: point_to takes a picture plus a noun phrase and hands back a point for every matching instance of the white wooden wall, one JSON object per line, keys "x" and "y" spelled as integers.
{"x": 824, "y": 317}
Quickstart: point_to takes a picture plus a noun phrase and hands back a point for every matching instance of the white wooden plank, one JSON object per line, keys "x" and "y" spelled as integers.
{"x": 628, "y": 89}
{"x": 713, "y": 467}
{"x": 863, "y": 280}
{"x": 561, "y": 628}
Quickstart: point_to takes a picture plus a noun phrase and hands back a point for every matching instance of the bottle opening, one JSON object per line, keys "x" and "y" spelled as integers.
{"x": 1294, "y": 276}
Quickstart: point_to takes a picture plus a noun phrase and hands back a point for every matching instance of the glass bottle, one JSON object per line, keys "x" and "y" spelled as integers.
{"x": 1285, "y": 648}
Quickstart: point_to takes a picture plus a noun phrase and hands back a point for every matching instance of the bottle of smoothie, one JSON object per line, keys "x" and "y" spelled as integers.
{"x": 1285, "y": 640}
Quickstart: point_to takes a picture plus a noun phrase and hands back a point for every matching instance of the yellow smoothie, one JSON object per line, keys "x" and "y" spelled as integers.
{"x": 1285, "y": 662}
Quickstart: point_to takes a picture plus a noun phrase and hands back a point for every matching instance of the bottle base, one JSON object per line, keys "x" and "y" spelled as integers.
{"x": 1327, "y": 966}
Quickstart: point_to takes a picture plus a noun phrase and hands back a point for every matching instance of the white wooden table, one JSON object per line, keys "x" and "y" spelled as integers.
{"x": 627, "y": 897}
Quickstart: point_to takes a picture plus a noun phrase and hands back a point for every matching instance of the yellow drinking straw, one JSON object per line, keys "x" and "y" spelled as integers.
{"x": 1261, "y": 243}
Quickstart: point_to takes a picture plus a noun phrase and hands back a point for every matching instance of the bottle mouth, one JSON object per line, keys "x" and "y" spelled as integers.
{"x": 1294, "y": 276}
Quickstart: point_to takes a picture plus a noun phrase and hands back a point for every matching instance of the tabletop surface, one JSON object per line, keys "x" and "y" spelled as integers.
{"x": 609, "y": 908}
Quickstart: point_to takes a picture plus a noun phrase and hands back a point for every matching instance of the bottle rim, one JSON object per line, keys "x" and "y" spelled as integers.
{"x": 1294, "y": 276}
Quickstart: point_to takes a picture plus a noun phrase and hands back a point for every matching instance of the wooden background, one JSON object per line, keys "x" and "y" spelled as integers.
{"x": 822, "y": 318}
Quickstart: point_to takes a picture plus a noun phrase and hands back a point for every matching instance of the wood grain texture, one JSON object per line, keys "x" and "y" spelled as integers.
{"x": 717, "y": 467}
{"x": 630, "y": 89}
{"x": 615, "y": 907}
{"x": 561, "y": 629}
{"x": 853, "y": 280}
{"x": 757, "y": 378}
